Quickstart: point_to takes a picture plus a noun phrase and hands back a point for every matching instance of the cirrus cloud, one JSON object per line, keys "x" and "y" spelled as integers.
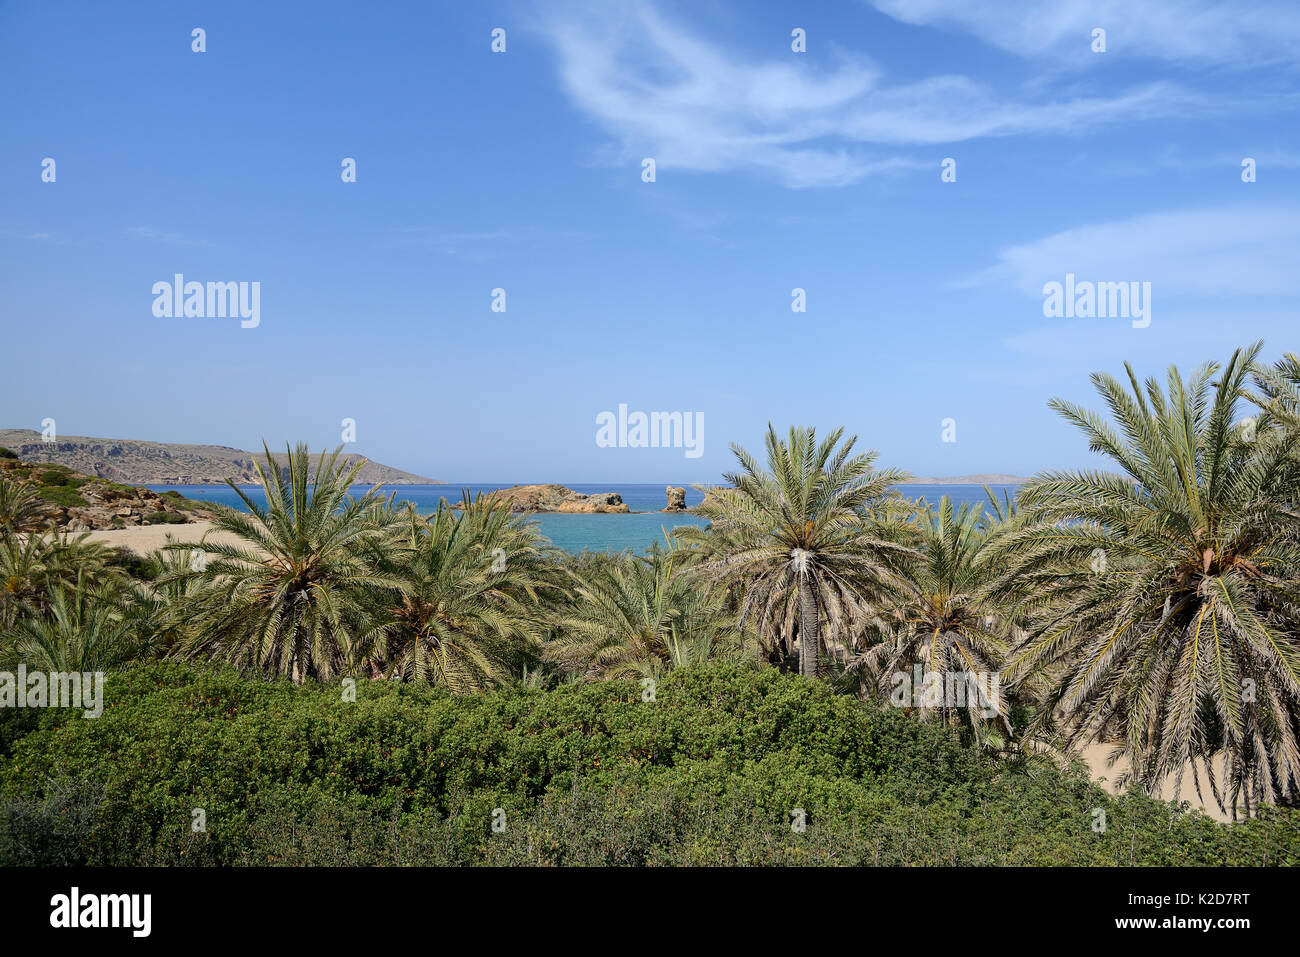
{"x": 658, "y": 90}
{"x": 1222, "y": 251}
{"x": 1197, "y": 30}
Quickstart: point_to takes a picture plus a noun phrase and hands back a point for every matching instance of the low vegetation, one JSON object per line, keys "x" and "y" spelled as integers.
{"x": 675, "y": 707}
{"x": 48, "y": 497}
{"x": 726, "y": 765}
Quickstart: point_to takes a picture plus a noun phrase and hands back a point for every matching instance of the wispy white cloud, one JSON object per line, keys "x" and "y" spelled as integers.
{"x": 453, "y": 243}
{"x": 158, "y": 235}
{"x": 1179, "y": 159}
{"x": 1247, "y": 35}
{"x": 1182, "y": 335}
{"x": 658, "y": 90}
{"x": 40, "y": 237}
{"x": 1236, "y": 250}
{"x": 1266, "y": 160}
{"x": 478, "y": 244}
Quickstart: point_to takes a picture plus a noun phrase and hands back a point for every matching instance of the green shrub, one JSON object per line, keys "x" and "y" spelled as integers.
{"x": 708, "y": 773}
{"x": 65, "y": 495}
{"x": 59, "y": 476}
{"x": 135, "y": 566}
{"x": 164, "y": 518}
{"x": 50, "y": 829}
{"x": 177, "y": 500}
{"x": 6, "y": 453}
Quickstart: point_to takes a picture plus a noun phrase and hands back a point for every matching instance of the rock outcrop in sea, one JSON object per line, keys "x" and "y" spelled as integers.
{"x": 555, "y": 498}
{"x": 676, "y": 499}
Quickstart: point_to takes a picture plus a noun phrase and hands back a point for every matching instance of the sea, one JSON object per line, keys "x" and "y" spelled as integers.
{"x": 636, "y": 531}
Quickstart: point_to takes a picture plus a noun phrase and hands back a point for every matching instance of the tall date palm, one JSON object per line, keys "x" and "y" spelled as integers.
{"x": 942, "y": 612}
{"x": 298, "y": 592}
{"x": 1169, "y": 590}
{"x": 795, "y": 532}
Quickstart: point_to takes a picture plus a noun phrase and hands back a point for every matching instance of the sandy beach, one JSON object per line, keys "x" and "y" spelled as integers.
{"x": 1095, "y": 757}
{"x": 143, "y": 539}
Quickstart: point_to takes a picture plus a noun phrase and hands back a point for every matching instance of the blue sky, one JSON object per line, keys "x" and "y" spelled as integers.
{"x": 522, "y": 170}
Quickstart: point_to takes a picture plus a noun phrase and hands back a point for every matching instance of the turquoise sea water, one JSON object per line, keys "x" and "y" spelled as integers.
{"x": 575, "y": 533}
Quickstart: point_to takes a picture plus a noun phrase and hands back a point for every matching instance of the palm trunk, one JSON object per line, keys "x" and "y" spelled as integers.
{"x": 809, "y": 636}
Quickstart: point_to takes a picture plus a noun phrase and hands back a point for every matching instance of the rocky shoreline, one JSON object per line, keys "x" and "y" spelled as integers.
{"x": 145, "y": 507}
{"x": 553, "y": 499}
{"x": 70, "y": 501}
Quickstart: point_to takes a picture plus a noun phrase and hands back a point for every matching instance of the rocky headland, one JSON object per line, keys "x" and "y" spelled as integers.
{"x": 135, "y": 462}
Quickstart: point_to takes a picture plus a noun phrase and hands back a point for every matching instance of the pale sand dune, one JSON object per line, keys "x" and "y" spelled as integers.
{"x": 143, "y": 539}
{"x": 1095, "y": 757}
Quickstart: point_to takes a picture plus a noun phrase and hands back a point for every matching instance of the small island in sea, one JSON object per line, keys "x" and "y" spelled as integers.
{"x": 551, "y": 497}
{"x": 554, "y": 498}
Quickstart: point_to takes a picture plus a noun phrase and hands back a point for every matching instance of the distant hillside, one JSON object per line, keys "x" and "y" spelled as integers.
{"x": 133, "y": 462}
{"x": 984, "y": 478}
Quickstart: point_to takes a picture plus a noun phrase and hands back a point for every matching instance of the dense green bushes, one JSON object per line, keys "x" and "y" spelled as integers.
{"x": 165, "y": 518}
{"x": 706, "y": 773}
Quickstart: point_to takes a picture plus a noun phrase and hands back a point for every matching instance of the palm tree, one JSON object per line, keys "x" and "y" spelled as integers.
{"x": 942, "y": 612}
{"x": 34, "y": 566}
{"x": 469, "y": 605}
{"x": 1279, "y": 400}
{"x": 1168, "y": 592}
{"x": 79, "y": 632}
{"x": 1279, "y": 386}
{"x": 795, "y": 539}
{"x": 158, "y": 606}
{"x": 21, "y": 508}
{"x": 641, "y": 615}
{"x": 300, "y": 593}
